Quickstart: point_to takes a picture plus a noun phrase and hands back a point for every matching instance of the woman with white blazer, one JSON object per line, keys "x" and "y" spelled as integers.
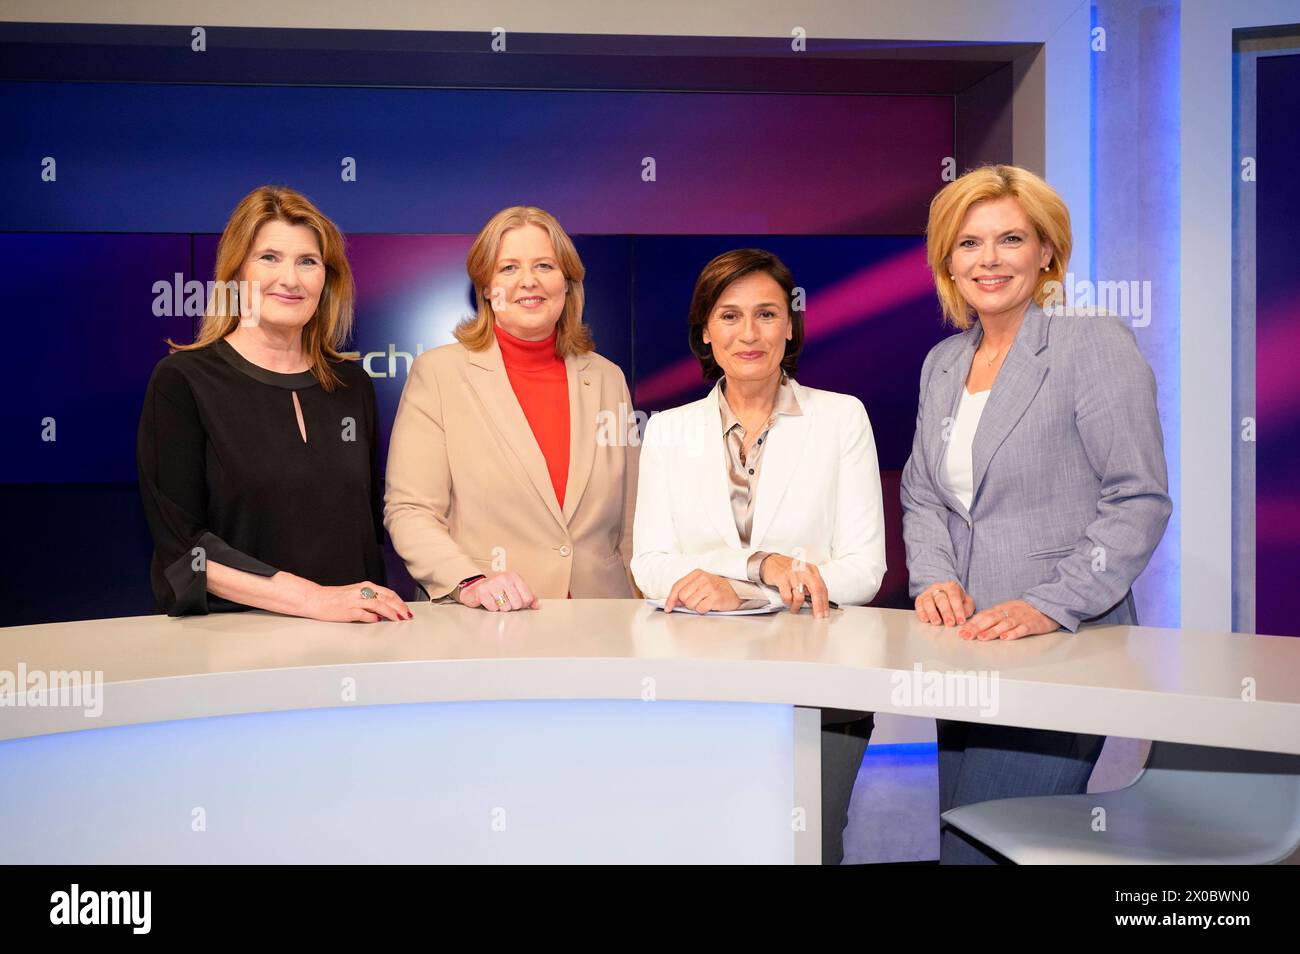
{"x": 764, "y": 488}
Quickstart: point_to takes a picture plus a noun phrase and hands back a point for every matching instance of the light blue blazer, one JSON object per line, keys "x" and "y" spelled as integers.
{"x": 1071, "y": 493}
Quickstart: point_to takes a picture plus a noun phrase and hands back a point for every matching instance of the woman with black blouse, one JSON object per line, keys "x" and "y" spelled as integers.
{"x": 257, "y": 445}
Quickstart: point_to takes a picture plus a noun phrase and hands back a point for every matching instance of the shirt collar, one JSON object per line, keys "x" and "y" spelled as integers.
{"x": 786, "y": 403}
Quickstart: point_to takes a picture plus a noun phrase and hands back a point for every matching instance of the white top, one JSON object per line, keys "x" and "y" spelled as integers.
{"x": 958, "y": 470}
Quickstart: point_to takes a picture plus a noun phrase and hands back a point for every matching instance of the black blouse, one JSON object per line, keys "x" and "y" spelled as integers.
{"x": 223, "y": 467}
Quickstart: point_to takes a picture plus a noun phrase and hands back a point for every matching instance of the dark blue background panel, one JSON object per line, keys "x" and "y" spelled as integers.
{"x": 85, "y": 340}
{"x": 137, "y": 158}
{"x": 1277, "y": 342}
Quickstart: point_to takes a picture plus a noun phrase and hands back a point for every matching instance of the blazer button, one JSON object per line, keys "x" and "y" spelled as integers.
{"x": 565, "y": 551}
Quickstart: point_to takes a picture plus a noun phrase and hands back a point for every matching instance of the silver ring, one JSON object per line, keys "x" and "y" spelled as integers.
{"x": 1006, "y": 615}
{"x": 367, "y": 593}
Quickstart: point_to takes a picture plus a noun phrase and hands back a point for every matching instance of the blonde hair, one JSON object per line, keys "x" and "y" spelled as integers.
{"x": 331, "y": 326}
{"x": 1042, "y": 205}
{"x": 477, "y": 332}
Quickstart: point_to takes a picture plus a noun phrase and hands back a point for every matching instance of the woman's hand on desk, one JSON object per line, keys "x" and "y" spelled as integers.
{"x": 500, "y": 594}
{"x": 944, "y": 604}
{"x": 797, "y": 580}
{"x": 346, "y": 604}
{"x": 702, "y": 592}
{"x": 1010, "y": 620}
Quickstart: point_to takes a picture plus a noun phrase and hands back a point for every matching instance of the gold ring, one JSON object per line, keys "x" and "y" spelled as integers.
{"x": 501, "y": 601}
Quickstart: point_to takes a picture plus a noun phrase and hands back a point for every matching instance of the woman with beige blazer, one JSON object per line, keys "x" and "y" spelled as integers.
{"x": 511, "y": 476}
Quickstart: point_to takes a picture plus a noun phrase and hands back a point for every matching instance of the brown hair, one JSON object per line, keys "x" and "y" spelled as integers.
{"x": 716, "y": 278}
{"x": 331, "y": 325}
{"x": 1042, "y": 205}
{"x": 477, "y": 332}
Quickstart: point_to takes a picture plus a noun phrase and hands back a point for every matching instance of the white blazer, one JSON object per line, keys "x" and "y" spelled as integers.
{"x": 818, "y": 497}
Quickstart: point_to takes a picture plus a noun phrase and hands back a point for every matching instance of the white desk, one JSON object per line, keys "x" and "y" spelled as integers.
{"x": 406, "y": 776}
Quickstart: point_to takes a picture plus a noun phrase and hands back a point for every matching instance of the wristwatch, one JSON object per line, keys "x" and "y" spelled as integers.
{"x": 455, "y": 593}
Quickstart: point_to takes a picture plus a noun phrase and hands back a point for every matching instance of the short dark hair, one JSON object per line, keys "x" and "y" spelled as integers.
{"x": 716, "y": 278}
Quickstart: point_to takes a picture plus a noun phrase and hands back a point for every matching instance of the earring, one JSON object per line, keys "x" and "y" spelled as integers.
{"x": 953, "y": 277}
{"x": 1045, "y": 267}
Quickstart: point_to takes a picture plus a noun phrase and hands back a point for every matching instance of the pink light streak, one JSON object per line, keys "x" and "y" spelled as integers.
{"x": 858, "y": 298}
{"x": 1277, "y": 387}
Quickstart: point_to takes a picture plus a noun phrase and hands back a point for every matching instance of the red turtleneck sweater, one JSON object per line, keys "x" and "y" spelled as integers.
{"x": 540, "y": 383}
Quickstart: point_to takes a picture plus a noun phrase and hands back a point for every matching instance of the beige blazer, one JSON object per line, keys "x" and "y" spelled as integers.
{"x": 468, "y": 491}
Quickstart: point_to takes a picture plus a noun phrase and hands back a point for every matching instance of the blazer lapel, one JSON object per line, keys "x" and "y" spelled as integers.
{"x": 584, "y": 405}
{"x": 487, "y": 375}
{"x": 948, "y": 385}
{"x": 715, "y": 489}
{"x": 1014, "y": 388}
{"x": 781, "y": 457}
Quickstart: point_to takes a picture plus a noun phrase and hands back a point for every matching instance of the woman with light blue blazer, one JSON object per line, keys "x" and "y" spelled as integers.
{"x": 1036, "y": 490}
